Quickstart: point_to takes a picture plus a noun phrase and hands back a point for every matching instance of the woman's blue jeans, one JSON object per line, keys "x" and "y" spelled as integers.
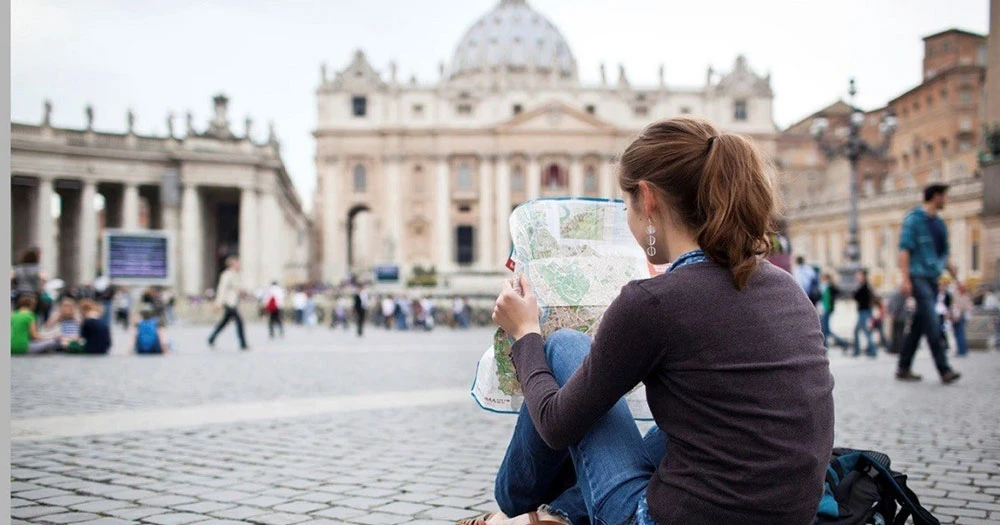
{"x": 599, "y": 479}
{"x": 962, "y": 344}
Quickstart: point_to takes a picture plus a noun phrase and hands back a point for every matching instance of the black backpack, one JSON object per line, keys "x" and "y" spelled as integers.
{"x": 860, "y": 488}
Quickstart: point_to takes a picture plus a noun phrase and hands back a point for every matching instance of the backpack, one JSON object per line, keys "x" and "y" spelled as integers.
{"x": 860, "y": 488}
{"x": 814, "y": 292}
{"x": 272, "y": 305}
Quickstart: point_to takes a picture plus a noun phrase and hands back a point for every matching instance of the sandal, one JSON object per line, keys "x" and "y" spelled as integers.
{"x": 478, "y": 520}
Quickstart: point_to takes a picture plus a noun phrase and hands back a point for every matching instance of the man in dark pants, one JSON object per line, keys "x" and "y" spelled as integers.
{"x": 227, "y": 296}
{"x": 923, "y": 256}
{"x": 360, "y": 307}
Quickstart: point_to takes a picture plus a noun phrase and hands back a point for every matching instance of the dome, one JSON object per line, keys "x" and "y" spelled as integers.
{"x": 515, "y": 38}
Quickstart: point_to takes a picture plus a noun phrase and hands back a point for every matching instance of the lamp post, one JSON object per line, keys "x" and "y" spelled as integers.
{"x": 853, "y": 148}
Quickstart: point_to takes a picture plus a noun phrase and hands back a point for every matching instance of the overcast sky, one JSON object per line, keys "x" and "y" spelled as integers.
{"x": 157, "y": 56}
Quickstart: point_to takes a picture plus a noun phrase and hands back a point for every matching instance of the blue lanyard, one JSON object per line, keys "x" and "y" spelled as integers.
{"x": 691, "y": 257}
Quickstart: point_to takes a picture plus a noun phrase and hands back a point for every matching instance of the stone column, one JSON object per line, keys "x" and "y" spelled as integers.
{"x": 605, "y": 178}
{"x": 394, "y": 212}
{"x": 333, "y": 216}
{"x": 88, "y": 233}
{"x": 960, "y": 247}
{"x": 484, "y": 240}
{"x": 130, "y": 207}
{"x": 443, "y": 248}
{"x": 249, "y": 236}
{"x": 533, "y": 179}
{"x": 192, "y": 274}
{"x": 576, "y": 176}
{"x": 502, "y": 211}
{"x": 45, "y": 229}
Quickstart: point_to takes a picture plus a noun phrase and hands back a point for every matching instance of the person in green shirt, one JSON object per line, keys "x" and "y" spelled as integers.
{"x": 24, "y": 336}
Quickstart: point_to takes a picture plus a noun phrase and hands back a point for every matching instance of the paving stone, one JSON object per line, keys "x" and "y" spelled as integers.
{"x": 34, "y": 511}
{"x": 239, "y": 513}
{"x": 340, "y": 513}
{"x": 406, "y": 509}
{"x": 380, "y": 518}
{"x": 263, "y": 501}
{"x": 106, "y": 521}
{"x": 41, "y": 494}
{"x": 448, "y": 513}
{"x": 100, "y": 505}
{"x": 174, "y": 518}
{"x": 300, "y": 507}
{"x": 70, "y": 517}
{"x": 166, "y": 501}
{"x": 204, "y": 507}
{"x": 279, "y": 518}
{"x": 136, "y": 513}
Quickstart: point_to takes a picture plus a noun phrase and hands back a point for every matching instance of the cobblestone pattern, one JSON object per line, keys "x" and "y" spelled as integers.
{"x": 306, "y": 363}
{"x": 421, "y": 465}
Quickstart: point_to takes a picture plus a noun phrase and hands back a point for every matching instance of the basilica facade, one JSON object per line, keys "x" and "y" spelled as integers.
{"x": 426, "y": 174}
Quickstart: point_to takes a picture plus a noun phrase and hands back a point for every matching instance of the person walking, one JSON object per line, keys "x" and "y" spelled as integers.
{"x": 388, "y": 308}
{"x": 299, "y": 300}
{"x": 828, "y": 300}
{"x": 899, "y": 315}
{"x": 806, "y": 276}
{"x": 923, "y": 256}
{"x": 273, "y": 303}
{"x": 878, "y": 322}
{"x": 227, "y": 297}
{"x": 863, "y": 296}
{"x": 360, "y": 308}
{"x": 961, "y": 310}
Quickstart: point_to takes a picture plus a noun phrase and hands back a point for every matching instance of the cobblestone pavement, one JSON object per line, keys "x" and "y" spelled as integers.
{"x": 387, "y": 463}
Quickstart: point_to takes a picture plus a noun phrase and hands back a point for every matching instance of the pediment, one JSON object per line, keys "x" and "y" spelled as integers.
{"x": 556, "y": 117}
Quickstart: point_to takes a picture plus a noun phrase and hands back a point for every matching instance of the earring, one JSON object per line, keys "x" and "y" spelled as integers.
{"x": 651, "y": 250}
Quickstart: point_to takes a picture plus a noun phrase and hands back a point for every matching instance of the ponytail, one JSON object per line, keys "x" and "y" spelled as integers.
{"x": 737, "y": 200}
{"x": 717, "y": 185}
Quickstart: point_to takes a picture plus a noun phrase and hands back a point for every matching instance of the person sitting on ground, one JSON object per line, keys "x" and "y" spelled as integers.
{"x": 149, "y": 336}
{"x": 24, "y": 335}
{"x": 95, "y": 331}
{"x": 68, "y": 321}
{"x": 727, "y": 345}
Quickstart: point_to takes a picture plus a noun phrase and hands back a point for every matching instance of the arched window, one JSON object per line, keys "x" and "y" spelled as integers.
{"x": 464, "y": 177}
{"x": 360, "y": 179}
{"x": 553, "y": 177}
{"x": 418, "y": 179}
{"x": 517, "y": 180}
{"x": 590, "y": 180}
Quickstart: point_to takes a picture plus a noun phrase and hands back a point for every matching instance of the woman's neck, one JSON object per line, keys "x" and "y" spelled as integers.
{"x": 680, "y": 243}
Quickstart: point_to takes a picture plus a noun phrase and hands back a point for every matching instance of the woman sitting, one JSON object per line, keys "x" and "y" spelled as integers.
{"x": 24, "y": 335}
{"x": 149, "y": 336}
{"x": 727, "y": 345}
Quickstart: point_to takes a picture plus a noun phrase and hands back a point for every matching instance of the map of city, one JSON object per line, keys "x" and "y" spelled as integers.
{"x": 576, "y": 254}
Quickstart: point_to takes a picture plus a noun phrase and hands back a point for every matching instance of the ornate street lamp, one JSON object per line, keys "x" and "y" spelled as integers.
{"x": 853, "y": 148}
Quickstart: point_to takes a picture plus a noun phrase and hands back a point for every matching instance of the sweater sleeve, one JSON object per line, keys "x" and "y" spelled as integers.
{"x": 624, "y": 351}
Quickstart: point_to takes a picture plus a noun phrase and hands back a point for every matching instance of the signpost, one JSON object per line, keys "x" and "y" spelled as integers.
{"x": 138, "y": 257}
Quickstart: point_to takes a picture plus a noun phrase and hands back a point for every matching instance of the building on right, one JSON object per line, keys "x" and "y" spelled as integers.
{"x": 991, "y": 157}
{"x": 937, "y": 138}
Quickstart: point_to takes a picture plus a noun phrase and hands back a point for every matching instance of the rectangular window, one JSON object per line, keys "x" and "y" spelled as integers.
{"x": 464, "y": 240}
{"x": 464, "y": 109}
{"x": 464, "y": 177}
{"x": 685, "y": 110}
{"x": 517, "y": 109}
{"x": 975, "y": 251}
{"x": 740, "y": 110}
{"x": 641, "y": 111}
{"x": 965, "y": 96}
{"x": 591, "y": 109}
{"x": 418, "y": 110}
{"x": 359, "y": 106}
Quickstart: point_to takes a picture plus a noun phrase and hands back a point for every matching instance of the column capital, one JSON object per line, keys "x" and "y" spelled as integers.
{"x": 393, "y": 157}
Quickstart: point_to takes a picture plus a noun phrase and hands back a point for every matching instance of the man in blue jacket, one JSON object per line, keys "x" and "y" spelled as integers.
{"x": 923, "y": 256}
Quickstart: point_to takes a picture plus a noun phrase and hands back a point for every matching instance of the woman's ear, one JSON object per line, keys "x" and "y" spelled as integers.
{"x": 648, "y": 198}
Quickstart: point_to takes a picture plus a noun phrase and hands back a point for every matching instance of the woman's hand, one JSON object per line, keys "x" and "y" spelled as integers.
{"x": 517, "y": 314}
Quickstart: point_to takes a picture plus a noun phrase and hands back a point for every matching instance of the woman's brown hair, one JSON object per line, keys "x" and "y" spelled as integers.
{"x": 716, "y": 184}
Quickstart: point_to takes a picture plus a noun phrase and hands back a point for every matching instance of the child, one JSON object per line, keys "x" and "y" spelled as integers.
{"x": 95, "y": 331}
{"x": 149, "y": 337}
{"x": 878, "y": 321}
{"x": 69, "y": 326}
{"x": 24, "y": 336}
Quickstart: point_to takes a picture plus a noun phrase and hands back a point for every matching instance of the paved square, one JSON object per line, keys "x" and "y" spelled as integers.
{"x": 321, "y": 428}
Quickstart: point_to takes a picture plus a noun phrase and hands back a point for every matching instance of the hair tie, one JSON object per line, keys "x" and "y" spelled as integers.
{"x": 709, "y": 147}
